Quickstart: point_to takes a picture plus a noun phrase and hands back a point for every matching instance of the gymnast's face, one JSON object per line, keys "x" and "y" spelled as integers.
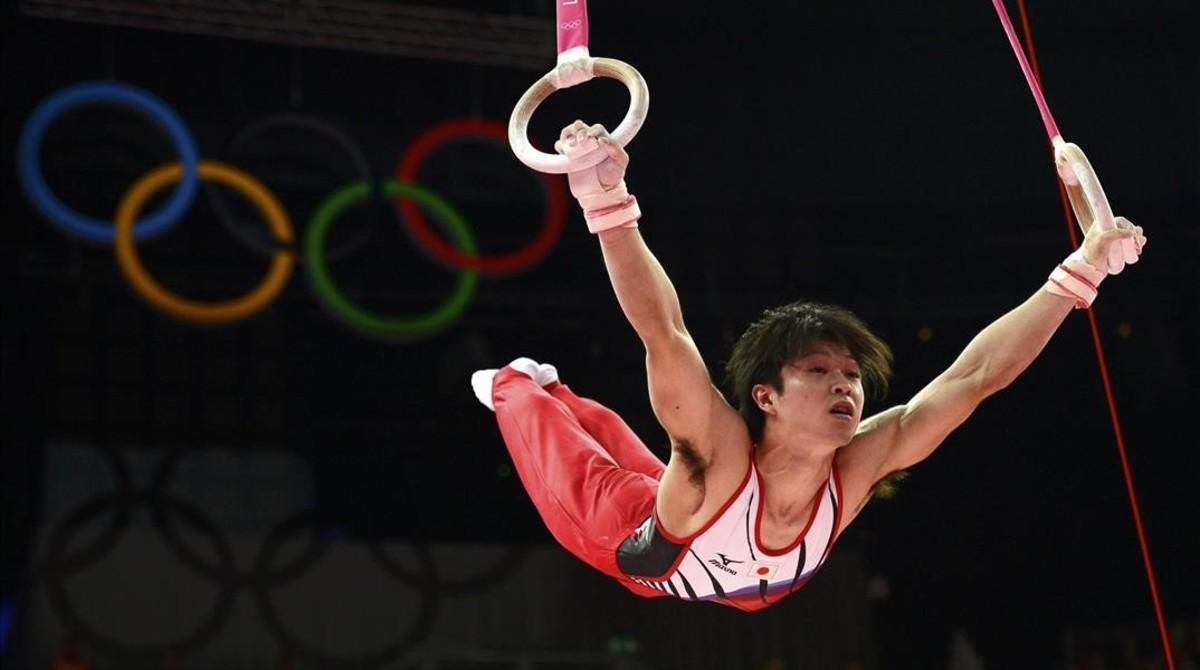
{"x": 820, "y": 396}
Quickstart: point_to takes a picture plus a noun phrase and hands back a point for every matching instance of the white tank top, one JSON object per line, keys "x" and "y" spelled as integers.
{"x": 726, "y": 562}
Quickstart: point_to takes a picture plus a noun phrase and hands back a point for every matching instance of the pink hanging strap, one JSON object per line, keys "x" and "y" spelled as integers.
{"x": 572, "y": 24}
{"x": 1073, "y": 166}
{"x": 1085, "y": 170}
{"x": 1034, "y": 87}
{"x": 575, "y": 66}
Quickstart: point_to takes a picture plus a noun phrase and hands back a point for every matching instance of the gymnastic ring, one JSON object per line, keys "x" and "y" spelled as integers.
{"x": 253, "y": 237}
{"x": 33, "y": 183}
{"x": 518, "y": 123}
{"x": 187, "y": 309}
{"x": 357, "y": 317}
{"x": 1074, "y": 168}
{"x": 424, "y": 236}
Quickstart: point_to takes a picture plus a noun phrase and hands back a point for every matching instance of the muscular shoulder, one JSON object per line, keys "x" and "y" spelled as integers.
{"x": 863, "y": 462}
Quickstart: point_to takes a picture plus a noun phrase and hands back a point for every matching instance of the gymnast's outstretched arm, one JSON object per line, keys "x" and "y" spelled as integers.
{"x": 906, "y": 434}
{"x": 682, "y": 394}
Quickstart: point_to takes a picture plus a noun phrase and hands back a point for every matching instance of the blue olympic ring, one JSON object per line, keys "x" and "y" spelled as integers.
{"x": 90, "y": 228}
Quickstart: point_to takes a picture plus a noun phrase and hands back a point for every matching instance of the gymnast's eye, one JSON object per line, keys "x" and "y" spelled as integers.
{"x": 854, "y": 374}
{"x": 818, "y": 369}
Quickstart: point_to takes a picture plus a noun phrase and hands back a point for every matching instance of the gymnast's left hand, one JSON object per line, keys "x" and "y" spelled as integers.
{"x": 1098, "y": 243}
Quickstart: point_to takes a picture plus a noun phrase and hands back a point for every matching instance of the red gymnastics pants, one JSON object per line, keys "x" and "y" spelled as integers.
{"x": 591, "y": 479}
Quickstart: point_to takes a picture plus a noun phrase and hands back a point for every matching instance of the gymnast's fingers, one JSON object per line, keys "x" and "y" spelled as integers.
{"x": 572, "y": 130}
{"x": 597, "y": 130}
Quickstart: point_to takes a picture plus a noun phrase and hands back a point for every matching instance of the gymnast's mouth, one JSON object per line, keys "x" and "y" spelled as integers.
{"x": 842, "y": 408}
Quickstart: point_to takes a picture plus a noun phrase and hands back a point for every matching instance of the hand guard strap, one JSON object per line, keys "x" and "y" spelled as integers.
{"x": 1077, "y": 279}
{"x": 603, "y": 208}
{"x": 622, "y": 215}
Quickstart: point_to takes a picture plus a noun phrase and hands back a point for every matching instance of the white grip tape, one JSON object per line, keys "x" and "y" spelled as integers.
{"x": 593, "y": 202}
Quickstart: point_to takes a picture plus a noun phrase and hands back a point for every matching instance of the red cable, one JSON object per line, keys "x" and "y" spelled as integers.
{"x": 1108, "y": 391}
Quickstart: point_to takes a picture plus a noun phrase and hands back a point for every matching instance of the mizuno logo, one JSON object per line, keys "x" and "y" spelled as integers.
{"x": 723, "y": 564}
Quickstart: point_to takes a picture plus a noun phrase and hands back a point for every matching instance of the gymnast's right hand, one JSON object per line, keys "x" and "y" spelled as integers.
{"x": 600, "y": 189}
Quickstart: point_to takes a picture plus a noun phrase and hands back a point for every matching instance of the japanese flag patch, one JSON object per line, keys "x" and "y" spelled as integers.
{"x": 762, "y": 571}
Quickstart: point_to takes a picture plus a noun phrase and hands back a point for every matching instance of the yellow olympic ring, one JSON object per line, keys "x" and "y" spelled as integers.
{"x": 282, "y": 261}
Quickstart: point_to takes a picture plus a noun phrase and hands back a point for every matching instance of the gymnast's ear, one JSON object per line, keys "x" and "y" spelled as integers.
{"x": 764, "y": 397}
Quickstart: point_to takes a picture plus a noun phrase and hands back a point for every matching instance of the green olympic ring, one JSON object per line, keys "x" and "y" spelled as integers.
{"x": 362, "y": 319}
{"x": 314, "y": 241}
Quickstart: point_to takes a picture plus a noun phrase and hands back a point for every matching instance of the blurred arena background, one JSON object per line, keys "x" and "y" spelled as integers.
{"x": 312, "y": 486}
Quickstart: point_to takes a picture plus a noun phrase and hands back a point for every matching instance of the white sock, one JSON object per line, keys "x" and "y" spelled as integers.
{"x": 481, "y": 383}
{"x": 526, "y": 366}
{"x": 546, "y": 374}
{"x": 541, "y": 373}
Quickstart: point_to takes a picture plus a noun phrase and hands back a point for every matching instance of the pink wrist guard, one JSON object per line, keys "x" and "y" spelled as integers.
{"x": 613, "y": 208}
{"x": 624, "y": 214}
{"x": 1077, "y": 279}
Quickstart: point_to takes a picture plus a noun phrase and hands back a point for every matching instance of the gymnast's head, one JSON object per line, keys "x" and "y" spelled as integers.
{"x": 783, "y": 335}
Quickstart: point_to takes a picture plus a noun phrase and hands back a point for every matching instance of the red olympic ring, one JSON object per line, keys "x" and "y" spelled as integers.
{"x": 423, "y": 234}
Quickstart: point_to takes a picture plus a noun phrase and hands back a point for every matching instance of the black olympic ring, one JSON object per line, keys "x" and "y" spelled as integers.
{"x": 62, "y": 561}
{"x": 503, "y": 566}
{"x": 251, "y": 233}
{"x": 190, "y": 170}
{"x": 84, "y": 631}
{"x": 390, "y": 654}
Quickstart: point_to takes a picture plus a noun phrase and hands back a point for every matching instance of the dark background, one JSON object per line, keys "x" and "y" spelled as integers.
{"x": 884, "y": 156}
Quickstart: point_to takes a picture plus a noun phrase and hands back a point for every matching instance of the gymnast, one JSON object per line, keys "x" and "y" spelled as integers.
{"x": 754, "y": 495}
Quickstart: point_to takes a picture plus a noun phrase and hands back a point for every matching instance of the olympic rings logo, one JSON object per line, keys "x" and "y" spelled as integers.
{"x": 571, "y": 25}
{"x": 280, "y": 561}
{"x": 131, "y": 225}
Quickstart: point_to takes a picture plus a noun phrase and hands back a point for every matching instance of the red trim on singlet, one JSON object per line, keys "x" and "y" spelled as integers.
{"x": 841, "y": 503}
{"x": 839, "y": 509}
{"x": 816, "y": 505}
{"x": 711, "y": 520}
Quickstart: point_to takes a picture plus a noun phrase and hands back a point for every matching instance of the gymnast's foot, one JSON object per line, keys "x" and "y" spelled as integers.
{"x": 542, "y": 373}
